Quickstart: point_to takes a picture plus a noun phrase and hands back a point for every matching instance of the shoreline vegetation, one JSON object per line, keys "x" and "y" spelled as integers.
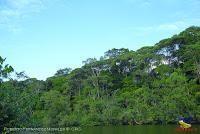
{"x": 153, "y": 85}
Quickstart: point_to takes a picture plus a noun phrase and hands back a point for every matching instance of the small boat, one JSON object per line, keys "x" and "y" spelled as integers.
{"x": 184, "y": 125}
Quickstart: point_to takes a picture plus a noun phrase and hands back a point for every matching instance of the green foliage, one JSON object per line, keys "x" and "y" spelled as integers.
{"x": 63, "y": 72}
{"x": 152, "y": 85}
{"x": 6, "y": 110}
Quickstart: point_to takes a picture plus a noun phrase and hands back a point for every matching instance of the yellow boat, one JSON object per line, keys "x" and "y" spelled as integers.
{"x": 184, "y": 125}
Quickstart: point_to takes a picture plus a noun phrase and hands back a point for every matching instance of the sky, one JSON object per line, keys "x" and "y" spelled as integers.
{"x": 42, "y": 36}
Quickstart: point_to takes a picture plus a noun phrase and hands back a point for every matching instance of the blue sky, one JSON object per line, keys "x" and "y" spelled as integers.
{"x": 42, "y": 36}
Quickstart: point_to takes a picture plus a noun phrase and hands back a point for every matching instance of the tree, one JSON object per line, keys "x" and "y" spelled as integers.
{"x": 63, "y": 72}
{"x": 190, "y": 55}
{"x": 5, "y": 70}
{"x": 115, "y": 52}
{"x": 5, "y": 111}
{"x": 155, "y": 84}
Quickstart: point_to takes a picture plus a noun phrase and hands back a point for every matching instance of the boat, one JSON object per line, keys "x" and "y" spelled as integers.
{"x": 184, "y": 125}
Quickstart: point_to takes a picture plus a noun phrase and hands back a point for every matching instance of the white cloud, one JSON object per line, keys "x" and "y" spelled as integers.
{"x": 14, "y": 11}
{"x": 141, "y": 3}
{"x": 167, "y": 27}
{"x": 174, "y": 26}
{"x": 171, "y": 26}
{"x": 20, "y": 4}
{"x": 19, "y": 8}
{"x": 161, "y": 29}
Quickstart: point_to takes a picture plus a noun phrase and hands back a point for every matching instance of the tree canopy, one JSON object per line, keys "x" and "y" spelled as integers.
{"x": 153, "y": 85}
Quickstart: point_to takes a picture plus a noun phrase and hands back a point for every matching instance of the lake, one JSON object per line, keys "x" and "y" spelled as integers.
{"x": 137, "y": 129}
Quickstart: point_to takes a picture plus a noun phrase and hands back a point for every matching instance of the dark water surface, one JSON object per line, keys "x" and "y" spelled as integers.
{"x": 137, "y": 129}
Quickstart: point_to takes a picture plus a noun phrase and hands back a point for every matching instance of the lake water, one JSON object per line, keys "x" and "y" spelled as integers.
{"x": 138, "y": 129}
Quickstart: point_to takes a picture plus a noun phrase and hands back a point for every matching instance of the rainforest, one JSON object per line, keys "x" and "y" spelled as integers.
{"x": 152, "y": 85}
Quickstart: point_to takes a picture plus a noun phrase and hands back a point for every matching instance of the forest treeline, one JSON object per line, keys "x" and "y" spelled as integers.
{"x": 153, "y": 85}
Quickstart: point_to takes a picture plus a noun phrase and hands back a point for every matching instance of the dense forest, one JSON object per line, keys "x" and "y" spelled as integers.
{"x": 153, "y": 85}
